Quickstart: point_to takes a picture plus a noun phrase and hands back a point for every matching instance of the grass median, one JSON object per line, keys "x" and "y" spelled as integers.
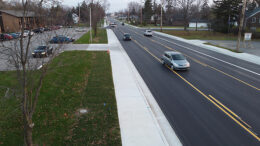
{"x": 100, "y": 38}
{"x": 232, "y": 50}
{"x": 76, "y": 80}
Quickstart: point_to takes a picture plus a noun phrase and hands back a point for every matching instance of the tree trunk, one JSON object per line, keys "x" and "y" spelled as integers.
{"x": 27, "y": 131}
{"x": 196, "y": 25}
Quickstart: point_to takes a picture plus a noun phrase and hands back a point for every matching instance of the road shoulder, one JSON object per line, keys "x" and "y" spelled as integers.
{"x": 141, "y": 120}
{"x": 243, "y": 56}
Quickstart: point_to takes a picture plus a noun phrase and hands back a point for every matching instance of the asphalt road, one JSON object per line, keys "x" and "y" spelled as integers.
{"x": 215, "y": 103}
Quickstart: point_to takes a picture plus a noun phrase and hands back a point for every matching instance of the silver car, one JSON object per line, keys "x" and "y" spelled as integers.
{"x": 175, "y": 60}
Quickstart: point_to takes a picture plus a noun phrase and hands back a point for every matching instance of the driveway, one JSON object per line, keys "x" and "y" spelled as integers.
{"x": 252, "y": 48}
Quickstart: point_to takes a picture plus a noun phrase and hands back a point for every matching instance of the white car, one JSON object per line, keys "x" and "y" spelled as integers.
{"x": 26, "y": 33}
{"x": 148, "y": 33}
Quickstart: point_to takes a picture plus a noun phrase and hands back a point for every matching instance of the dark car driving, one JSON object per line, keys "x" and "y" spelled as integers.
{"x": 42, "y": 51}
{"x": 127, "y": 37}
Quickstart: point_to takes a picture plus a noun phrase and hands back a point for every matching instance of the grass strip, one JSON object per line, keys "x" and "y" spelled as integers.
{"x": 223, "y": 48}
{"x": 100, "y": 38}
{"x": 76, "y": 80}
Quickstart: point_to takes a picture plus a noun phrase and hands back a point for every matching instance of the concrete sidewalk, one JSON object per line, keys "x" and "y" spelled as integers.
{"x": 141, "y": 120}
{"x": 200, "y": 43}
{"x": 252, "y": 47}
{"x": 243, "y": 56}
{"x": 142, "y": 123}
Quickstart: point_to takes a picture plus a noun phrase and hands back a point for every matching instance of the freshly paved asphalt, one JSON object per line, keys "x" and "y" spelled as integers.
{"x": 214, "y": 103}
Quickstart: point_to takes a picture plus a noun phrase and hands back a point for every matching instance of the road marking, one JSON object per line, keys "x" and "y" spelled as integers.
{"x": 204, "y": 64}
{"x": 229, "y": 111}
{"x": 212, "y": 57}
{"x": 204, "y": 95}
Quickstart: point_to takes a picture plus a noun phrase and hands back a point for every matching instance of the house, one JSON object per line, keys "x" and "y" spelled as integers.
{"x": 198, "y": 23}
{"x": 10, "y": 20}
{"x": 253, "y": 19}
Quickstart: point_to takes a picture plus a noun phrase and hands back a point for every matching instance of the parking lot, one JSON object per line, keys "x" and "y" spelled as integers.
{"x": 39, "y": 39}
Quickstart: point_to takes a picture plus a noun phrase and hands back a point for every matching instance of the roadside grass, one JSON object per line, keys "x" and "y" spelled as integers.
{"x": 258, "y": 29}
{"x": 223, "y": 48}
{"x": 153, "y": 26}
{"x": 76, "y": 80}
{"x": 101, "y": 37}
{"x": 202, "y": 35}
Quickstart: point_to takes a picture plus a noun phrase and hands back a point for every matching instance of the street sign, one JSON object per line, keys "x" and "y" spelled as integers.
{"x": 248, "y": 36}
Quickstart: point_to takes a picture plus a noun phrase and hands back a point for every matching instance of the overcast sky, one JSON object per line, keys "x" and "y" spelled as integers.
{"x": 115, "y": 5}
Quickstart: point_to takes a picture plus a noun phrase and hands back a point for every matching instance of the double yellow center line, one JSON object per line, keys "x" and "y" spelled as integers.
{"x": 210, "y": 98}
{"x": 201, "y": 63}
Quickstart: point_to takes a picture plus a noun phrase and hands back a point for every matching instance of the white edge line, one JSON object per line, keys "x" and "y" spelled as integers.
{"x": 211, "y": 56}
{"x": 167, "y": 133}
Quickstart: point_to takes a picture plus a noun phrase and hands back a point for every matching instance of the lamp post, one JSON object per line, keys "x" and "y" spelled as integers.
{"x": 90, "y": 22}
{"x": 79, "y": 15}
{"x": 141, "y": 12}
{"x": 241, "y": 24}
{"x": 162, "y": 3}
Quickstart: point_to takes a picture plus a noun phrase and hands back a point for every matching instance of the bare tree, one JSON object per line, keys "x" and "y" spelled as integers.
{"x": 196, "y": 8}
{"x": 30, "y": 72}
{"x": 185, "y": 6}
{"x": 98, "y": 13}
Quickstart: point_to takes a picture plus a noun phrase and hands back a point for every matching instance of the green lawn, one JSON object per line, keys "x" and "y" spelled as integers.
{"x": 101, "y": 37}
{"x": 75, "y": 80}
{"x": 202, "y": 35}
{"x": 223, "y": 47}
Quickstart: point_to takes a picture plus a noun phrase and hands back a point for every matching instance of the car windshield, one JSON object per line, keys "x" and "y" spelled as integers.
{"x": 178, "y": 57}
{"x": 41, "y": 48}
{"x": 149, "y": 31}
{"x": 127, "y": 35}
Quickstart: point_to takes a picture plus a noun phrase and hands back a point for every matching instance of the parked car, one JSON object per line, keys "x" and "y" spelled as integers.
{"x": 127, "y": 37}
{"x": 19, "y": 34}
{"x": 61, "y": 39}
{"x": 175, "y": 60}
{"x": 4, "y": 37}
{"x": 15, "y": 35}
{"x": 27, "y": 33}
{"x": 148, "y": 33}
{"x": 46, "y": 29}
{"x": 38, "y": 30}
{"x": 42, "y": 51}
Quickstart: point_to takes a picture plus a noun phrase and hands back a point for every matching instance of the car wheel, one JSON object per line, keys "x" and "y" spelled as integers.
{"x": 163, "y": 62}
{"x": 172, "y": 67}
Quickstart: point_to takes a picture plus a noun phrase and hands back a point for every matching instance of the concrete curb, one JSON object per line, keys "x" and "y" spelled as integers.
{"x": 243, "y": 56}
{"x": 155, "y": 128}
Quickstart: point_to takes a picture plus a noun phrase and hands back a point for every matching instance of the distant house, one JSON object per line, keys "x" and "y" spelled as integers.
{"x": 253, "y": 19}
{"x": 198, "y": 23}
{"x": 10, "y": 20}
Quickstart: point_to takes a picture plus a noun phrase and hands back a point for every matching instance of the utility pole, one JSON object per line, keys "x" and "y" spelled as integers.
{"x": 162, "y": 3}
{"x": 79, "y": 15}
{"x": 161, "y": 17}
{"x": 128, "y": 14}
{"x": 141, "y": 12}
{"x": 241, "y": 24}
{"x": 90, "y": 22}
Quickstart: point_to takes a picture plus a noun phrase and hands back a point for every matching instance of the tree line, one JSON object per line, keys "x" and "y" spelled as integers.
{"x": 221, "y": 15}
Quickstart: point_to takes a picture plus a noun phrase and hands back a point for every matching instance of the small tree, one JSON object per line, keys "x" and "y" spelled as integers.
{"x": 185, "y": 6}
{"x": 148, "y": 11}
{"x": 30, "y": 72}
{"x": 226, "y": 12}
